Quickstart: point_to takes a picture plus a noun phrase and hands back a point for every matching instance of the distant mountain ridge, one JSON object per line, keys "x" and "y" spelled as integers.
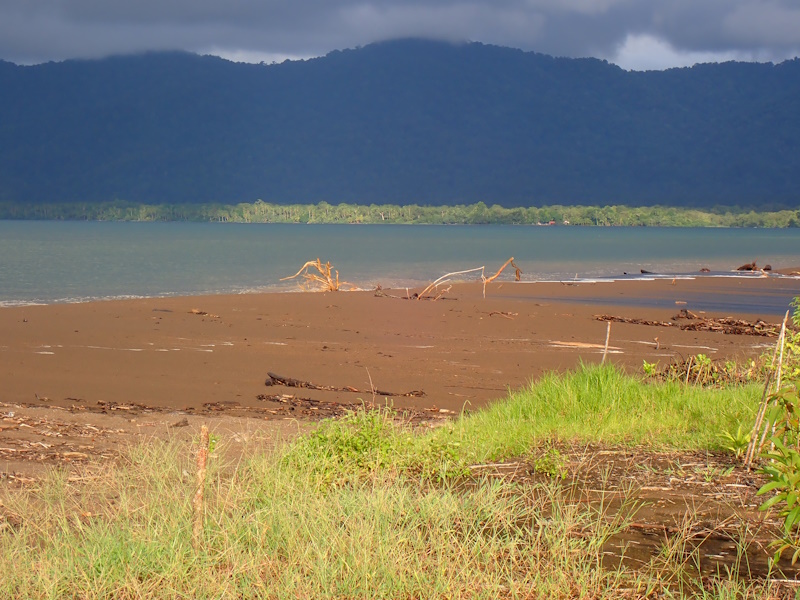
{"x": 408, "y": 121}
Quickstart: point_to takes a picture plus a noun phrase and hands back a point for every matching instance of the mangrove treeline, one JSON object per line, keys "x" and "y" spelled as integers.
{"x": 471, "y": 214}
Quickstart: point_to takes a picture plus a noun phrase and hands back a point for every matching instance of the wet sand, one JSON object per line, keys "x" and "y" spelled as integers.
{"x": 213, "y": 353}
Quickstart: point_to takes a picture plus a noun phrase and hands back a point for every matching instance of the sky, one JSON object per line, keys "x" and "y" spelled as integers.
{"x": 635, "y": 34}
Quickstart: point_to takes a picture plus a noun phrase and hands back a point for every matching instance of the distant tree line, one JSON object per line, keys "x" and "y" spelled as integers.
{"x": 469, "y": 214}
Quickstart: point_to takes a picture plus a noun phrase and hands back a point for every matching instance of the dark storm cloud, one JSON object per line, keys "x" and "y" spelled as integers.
{"x": 38, "y": 30}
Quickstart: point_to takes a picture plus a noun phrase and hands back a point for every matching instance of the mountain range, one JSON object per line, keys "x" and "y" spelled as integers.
{"x": 405, "y": 121}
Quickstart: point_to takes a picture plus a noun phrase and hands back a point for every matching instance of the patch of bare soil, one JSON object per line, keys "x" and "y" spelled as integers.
{"x": 694, "y": 510}
{"x": 33, "y": 438}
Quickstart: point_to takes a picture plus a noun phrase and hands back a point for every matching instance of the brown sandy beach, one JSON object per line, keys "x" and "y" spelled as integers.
{"x": 213, "y": 353}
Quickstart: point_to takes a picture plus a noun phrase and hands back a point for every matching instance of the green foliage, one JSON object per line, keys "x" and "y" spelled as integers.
{"x": 649, "y": 369}
{"x": 783, "y": 468}
{"x": 791, "y": 356}
{"x": 701, "y": 370}
{"x": 783, "y": 459}
{"x": 737, "y": 441}
{"x": 363, "y": 443}
{"x": 550, "y": 462}
{"x": 470, "y": 214}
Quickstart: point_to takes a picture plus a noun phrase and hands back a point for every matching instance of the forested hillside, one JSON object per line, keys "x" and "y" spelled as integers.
{"x": 405, "y": 122}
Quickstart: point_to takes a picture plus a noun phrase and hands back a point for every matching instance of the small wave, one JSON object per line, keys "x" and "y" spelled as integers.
{"x": 13, "y": 303}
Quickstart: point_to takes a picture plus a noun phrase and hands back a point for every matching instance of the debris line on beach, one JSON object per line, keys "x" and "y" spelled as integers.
{"x": 273, "y": 379}
{"x": 727, "y": 325}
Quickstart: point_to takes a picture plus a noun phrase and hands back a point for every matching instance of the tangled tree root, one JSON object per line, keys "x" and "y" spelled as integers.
{"x": 324, "y": 280}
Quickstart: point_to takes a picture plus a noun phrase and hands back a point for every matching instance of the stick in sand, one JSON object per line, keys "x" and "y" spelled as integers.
{"x": 605, "y": 349}
{"x": 197, "y": 502}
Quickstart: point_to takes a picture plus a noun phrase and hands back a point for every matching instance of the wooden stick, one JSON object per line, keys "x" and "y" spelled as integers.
{"x": 756, "y": 441}
{"x": 782, "y": 342}
{"x": 371, "y": 385}
{"x": 762, "y": 411}
{"x": 197, "y": 502}
{"x": 482, "y": 270}
{"x": 443, "y": 277}
{"x": 486, "y": 280}
{"x": 605, "y": 349}
{"x": 310, "y": 263}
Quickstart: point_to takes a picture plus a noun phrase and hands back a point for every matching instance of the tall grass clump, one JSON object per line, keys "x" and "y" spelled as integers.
{"x": 601, "y": 404}
{"x": 346, "y": 450}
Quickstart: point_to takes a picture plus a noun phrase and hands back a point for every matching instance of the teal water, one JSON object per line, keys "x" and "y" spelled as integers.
{"x": 47, "y": 261}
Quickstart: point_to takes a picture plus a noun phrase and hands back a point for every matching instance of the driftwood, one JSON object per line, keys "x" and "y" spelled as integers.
{"x": 506, "y": 314}
{"x": 685, "y": 313}
{"x": 446, "y": 278}
{"x": 324, "y": 280}
{"x": 727, "y": 325}
{"x": 734, "y": 327}
{"x": 510, "y": 261}
{"x": 273, "y": 379}
{"x": 381, "y": 293}
{"x": 634, "y": 321}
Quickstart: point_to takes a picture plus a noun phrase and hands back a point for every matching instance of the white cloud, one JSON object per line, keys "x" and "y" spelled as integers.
{"x": 644, "y": 52}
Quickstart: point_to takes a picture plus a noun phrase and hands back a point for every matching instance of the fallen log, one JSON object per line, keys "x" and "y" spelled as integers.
{"x": 274, "y": 379}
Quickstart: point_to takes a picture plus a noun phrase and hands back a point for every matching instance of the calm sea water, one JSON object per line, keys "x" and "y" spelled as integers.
{"x": 46, "y": 262}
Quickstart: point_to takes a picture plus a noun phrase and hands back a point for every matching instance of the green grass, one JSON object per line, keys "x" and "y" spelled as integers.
{"x": 360, "y": 508}
{"x": 600, "y": 404}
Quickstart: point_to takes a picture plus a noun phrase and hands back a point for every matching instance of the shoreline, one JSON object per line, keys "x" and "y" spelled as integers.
{"x": 212, "y": 353}
{"x": 788, "y": 275}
